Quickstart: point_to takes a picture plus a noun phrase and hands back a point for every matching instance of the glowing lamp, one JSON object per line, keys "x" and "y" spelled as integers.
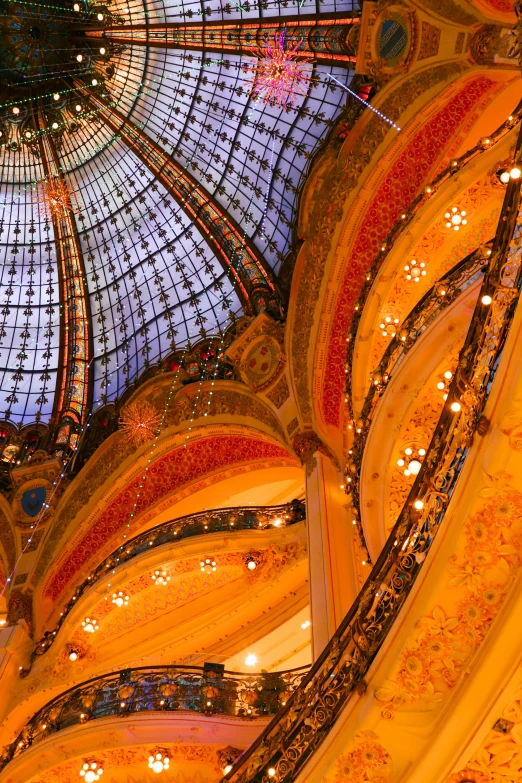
{"x": 158, "y": 761}
{"x": 90, "y": 625}
{"x": 208, "y": 565}
{"x": 120, "y": 599}
{"x": 414, "y": 467}
{"x": 91, "y": 771}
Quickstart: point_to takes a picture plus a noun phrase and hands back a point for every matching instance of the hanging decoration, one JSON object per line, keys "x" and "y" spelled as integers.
{"x": 139, "y": 423}
{"x": 280, "y": 77}
{"x": 54, "y": 198}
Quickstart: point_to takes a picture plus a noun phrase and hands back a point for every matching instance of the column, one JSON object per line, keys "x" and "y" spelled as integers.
{"x": 332, "y": 575}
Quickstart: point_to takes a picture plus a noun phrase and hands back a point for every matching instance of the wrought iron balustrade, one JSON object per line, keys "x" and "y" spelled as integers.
{"x": 206, "y": 690}
{"x": 229, "y": 520}
{"x": 400, "y": 226}
{"x": 281, "y": 751}
{"x": 463, "y": 275}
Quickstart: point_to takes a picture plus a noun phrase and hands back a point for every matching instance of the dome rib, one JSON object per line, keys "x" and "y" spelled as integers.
{"x": 326, "y": 40}
{"x": 256, "y": 286}
{"x": 73, "y": 394}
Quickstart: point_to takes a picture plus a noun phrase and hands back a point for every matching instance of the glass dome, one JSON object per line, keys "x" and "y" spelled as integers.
{"x": 148, "y": 191}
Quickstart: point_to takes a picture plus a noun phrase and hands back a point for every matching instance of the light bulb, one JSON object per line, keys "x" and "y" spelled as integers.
{"x": 79, "y": 57}
{"x": 89, "y": 625}
{"x": 252, "y": 565}
{"x": 100, "y": 17}
{"x": 448, "y": 375}
{"x": 102, "y": 50}
{"x": 418, "y": 505}
{"x": 515, "y": 172}
{"x": 455, "y": 407}
{"x": 276, "y": 522}
{"x": 56, "y": 96}
{"x": 504, "y": 177}
{"x": 157, "y": 766}
{"x": 251, "y": 659}
{"x": 227, "y": 769}
{"x": 73, "y": 655}
{"x": 76, "y": 7}
{"x": 440, "y": 385}
{"x": 486, "y": 299}
{"x": 78, "y": 107}
{"x": 414, "y": 467}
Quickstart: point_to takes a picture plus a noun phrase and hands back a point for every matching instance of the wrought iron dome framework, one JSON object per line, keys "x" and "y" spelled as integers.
{"x": 178, "y": 187}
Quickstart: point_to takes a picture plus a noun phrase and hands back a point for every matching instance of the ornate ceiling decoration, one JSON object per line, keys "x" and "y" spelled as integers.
{"x": 149, "y": 182}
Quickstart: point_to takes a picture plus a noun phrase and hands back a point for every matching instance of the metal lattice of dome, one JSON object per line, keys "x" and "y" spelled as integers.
{"x": 148, "y": 194}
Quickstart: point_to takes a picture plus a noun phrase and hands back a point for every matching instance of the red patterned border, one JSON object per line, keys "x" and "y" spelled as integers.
{"x": 399, "y": 187}
{"x": 180, "y": 467}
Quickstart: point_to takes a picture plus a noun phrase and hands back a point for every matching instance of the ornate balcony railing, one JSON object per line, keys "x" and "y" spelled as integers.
{"x": 282, "y": 750}
{"x": 400, "y": 226}
{"x": 209, "y": 690}
{"x": 433, "y": 303}
{"x": 227, "y": 520}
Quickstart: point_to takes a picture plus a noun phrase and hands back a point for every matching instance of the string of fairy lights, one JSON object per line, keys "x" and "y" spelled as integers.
{"x": 193, "y": 157}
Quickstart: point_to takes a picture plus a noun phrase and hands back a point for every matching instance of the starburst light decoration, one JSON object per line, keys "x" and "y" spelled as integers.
{"x": 139, "y": 423}
{"x": 279, "y": 78}
{"x": 54, "y": 198}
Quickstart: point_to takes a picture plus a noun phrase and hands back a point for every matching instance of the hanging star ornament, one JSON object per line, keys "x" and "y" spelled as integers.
{"x": 54, "y": 198}
{"x": 280, "y": 77}
{"x": 139, "y": 423}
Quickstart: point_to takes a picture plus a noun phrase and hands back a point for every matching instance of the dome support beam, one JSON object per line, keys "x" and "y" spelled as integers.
{"x": 73, "y": 395}
{"x": 325, "y": 39}
{"x": 253, "y": 280}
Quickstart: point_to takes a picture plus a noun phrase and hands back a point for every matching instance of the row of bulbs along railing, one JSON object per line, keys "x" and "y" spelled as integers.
{"x": 309, "y": 712}
{"x": 467, "y": 273}
{"x": 282, "y": 750}
{"x": 226, "y": 520}
{"x": 209, "y": 690}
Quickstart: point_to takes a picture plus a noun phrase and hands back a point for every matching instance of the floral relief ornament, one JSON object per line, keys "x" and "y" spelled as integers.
{"x": 367, "y": 761}
{"x": 439, "y": 652}
{"x": 499, "y": 757}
